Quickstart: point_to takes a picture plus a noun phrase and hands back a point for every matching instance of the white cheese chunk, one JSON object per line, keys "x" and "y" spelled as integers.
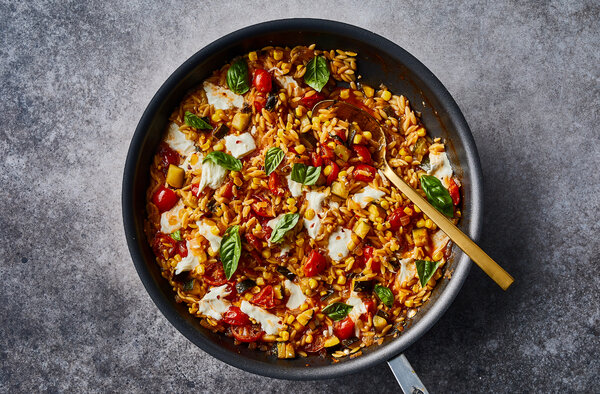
{"x": 367, "y": 195}
{"x": 338, "y": 244}
{"x": 285, "y": 250}
{"x": 295, "y": 187}
{"x": 178, "y": 141}
{"x": 192, "y": 162}
{"x": 212, "y": 176}
{"x": 273, "y": 222}
{"x": 315, "y": 202}
{"x": 204, "y": 229}
{"x": 358, "y": 307}
{"x": 297, "y": 297}
{"x": 240, "y": 145}
{"x": 222, "y": 98}
{"x": 214, "y": 304}
{"x": 408, "y": 270}
{"x": 269, "y": 323}
{"x": 440, "y": 167}
{"x": 439, "y": 240}
{"x": 287, "y": 82}
{"x": 170, "y": 220}
{"x": 187, "y": 263}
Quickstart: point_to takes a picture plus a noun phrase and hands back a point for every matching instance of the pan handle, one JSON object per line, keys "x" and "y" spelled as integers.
{"x": 406, "y": 376}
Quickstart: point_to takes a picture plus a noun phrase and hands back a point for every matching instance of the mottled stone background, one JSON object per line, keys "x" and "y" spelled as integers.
{"x": 75, "y": 78}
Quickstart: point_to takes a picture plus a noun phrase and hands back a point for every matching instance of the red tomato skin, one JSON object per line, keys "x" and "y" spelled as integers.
{"x": 228, "y": 191}
{"x": 370, "y": 307}
{"x": 182, "y": 248}
{"x": 454, "y": 192}
{"x": 235, "y": 317}
{"x": 254, "y": 241}
{"x": 265, "y": 298}
{"x": 344, "y": 329}
{"x": 363, "y": 154}
{"x": 317, "y": 161}
{"x": 310, "y": 101}
{"x": 214, "y": 275}
{"x": 164, "y": 199}
{"x": 364, "y": 173}
{"x": 315, "y": 264}
{"x": 259, "y": 103}
{"x": 327, "y": 153}
{"x": 247, "y": 333}
{"x": 168, "y": 156}
{"x": 335, "y": 170}
{"x": 397, "y": 219}
{"x": 261, "y": 211}
{"x": 262, "y": 80}
{"x": 275, "y": 185}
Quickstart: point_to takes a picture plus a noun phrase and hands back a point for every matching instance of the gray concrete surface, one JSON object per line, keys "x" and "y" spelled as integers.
{"x": 75, "y": 78}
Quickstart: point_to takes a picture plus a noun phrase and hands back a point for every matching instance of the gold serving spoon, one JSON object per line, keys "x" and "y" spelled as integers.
{"x": 367, "y": 122}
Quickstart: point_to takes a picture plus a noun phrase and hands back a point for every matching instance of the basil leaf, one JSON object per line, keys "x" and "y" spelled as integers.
{"x": 237, "y": 77}
{"x": 285, "y": 224}
{"x": 189, "y": 285}
{"x": 385, "y": 295}
{"x": 337, "y": 310}
{"x": 176, "y": 235}
{"x": 437, "y": 195}
{"x": 425, "y": 270}
{"x": 224, "y": 160}
{"x": 273, "y": 158}
{"x": 317, "y": 73}
{"x": 231, "y": 250}
{"x": 196, "y": 122}
{"x": 307, "y": 175}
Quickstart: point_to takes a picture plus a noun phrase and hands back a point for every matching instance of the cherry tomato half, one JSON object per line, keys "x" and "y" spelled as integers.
{"x": 160, "y": 242}
{"x": 168, "y": 156}
{"x": 398, "y": 218}
{"x": 317, "y": 161}
{"x": 259, "y": 103}
{"x": 227, "y": 190}
{"x": 236, "y": 317}
{"x": 327, "y": 152}
{"x": 265, "y": 298}
{"x": 454, "y": 193}
{"x": 317, "y": 344}
{"x": 364, "y": 172}
{"x": 310, "y": 101}
{"x": 254, "y": 241}
{"x": 315, "y": 264}
{"x": 262, "y": 80}
{"x": 363, "y": 154}
{"x": 275, "y": 185}
{"x": 335, "y": 170}
{"x": 164, "y": 199}
{"x": 214, "y": 275}
{"x": 260, "y": 209}
{"x": 247, "y": 333}
{"x": 344, "y": 329}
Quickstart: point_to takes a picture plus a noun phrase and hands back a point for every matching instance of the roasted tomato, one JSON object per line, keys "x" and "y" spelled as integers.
{"x": 214, "y": 275}
{"x": 363, "y": 154}
{"x": 364, "y": 172}
{"x": 236, "y": 317}
{"x": 310, "y": 101}
{"x": 315, "y": 264}
{"x": 164, "y": 199}
{"x": 262, "y": 80}
{"x": 317, "y": 161}
{"x": 317, "y": 344}
{"x": 262, "y": 207}
{"x": 166, "y": 242}
{"x": 168, "y": 156}
{"x": 398, "y": 218}
{"x": 259, "y": 103}
{"x": 247, "y": 333}
{"x": 254, "y": 241}
{"x": 454, "y": 192}
{"x": 370, "y": 307}
{"x": 327, "y": 153}
{"x": 368, "y": 256}
{"x": 335, "y": 170}
{"x": 227, "y": 190}
{"x": 275, "y": 185}
{"x": 344, "y": 329}
{"x": 265, "y": 299}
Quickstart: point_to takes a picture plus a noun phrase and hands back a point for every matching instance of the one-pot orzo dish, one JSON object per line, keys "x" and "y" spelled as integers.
{"x": 272, "y": 223}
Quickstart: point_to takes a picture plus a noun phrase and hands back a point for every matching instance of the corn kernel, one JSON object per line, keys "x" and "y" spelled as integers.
{"x": 290, "y": 319}
{"x": 367, "y": 135}
{"x": 386, "y": 95}
{"x": 344, "y": 94}
{"x": 408, "y": 159}
{"x": 421, "y": 132}
{"x": 437, "y": 257}
{"x": 260, "y": 281}
{"x": 327, "y": 170}
{"x": 309, "y": 214}
{"x": 384, "y": 204}
{"x": 379, "y": 227}
{"x": 252, "y": 56}
{"x": 277, "y": 55}
{"x": 358, "y": 138}
{"x": 291, "y": 201}
{"x": 421, "y": 223}
{"x": 309, "y": 338}
{"x": 312, "y": 283}
{"x": 266, "y": 253}
{"x": 341, "y": 280}
{"x": 369, "y": 91}
{"x": 304, "y": 307}
{"x": 417, "y": 210}
{"x": 403, "y": 152}
{"x": 428, "y": 223}
{"x": 300, "y": 149}
{"x": 215, "y": 230}
{"x": 219, "y": 146}
{"x": 218, "y": 115}
{"x": 299, "y": 111}
{"x": 331, "y": 145}
{"x": 248, "y": 296}
{"x": 238, "y": 181}
{"x": 284, "y": 336}
{"x": 408, "y": 211}
{"x": 292, "y": 208}
{"x": 205, "y": 146}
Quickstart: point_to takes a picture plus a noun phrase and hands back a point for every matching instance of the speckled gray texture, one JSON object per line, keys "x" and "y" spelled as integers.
{"x": 75, "y": 78}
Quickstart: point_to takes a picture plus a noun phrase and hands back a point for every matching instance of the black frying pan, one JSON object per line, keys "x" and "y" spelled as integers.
{"x": 379, "y": 61}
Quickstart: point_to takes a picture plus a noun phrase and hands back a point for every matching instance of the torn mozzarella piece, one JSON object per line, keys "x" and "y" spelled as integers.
{"x": 358, "y": 307}
{"x": 269, "y": 323}
{"x": 205, "y": 230}
{"x": 178, "y": 141}
{"x": 338, "y": 244}
{"x": 315, "y": 200}
{"x": 439, "y": 240}
{"x": 407, "y": 271}
{"x": 187, "y": 263}
{"x": 367, "y": 195}
{"x": 284, "y": 80}
{"x": 285, "y": 250}
{"x": 212, "y": 176}
{"x": 440, "y": 167}
{"x": 170, "y": 220}
{"x": 192, "y": 162}
{"x": 222, "y": 98}
{"x": 295, "y": 187}
{"x": 214, "y": 304}
{"x": 297, "y": 297}
{"x": 240, "y": 145}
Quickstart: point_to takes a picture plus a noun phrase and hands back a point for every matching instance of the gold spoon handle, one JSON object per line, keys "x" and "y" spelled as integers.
{"x": 485, "y": 262}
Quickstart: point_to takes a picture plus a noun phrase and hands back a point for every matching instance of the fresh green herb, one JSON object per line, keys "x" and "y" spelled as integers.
{"x": 337, "y": 310}
{"x": 425, "y": 270}
{"x": 285, "y": 224}
{"x": 189, "y": 285}
{"x": 425, "y": 164}
{"x": 437, "y": 195}
{"x": 307, "y": 175}
{"x": 196, "y": 122}
{"x": 176, "y": 235}
{"x": 224, "y": 160}
{"x": 237, "y": 77}
{"x": 317, "y": 73}
{"x": 231, "y": 250}
{"x": 385, "y": 295}
{"x": 273, "y": 158}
